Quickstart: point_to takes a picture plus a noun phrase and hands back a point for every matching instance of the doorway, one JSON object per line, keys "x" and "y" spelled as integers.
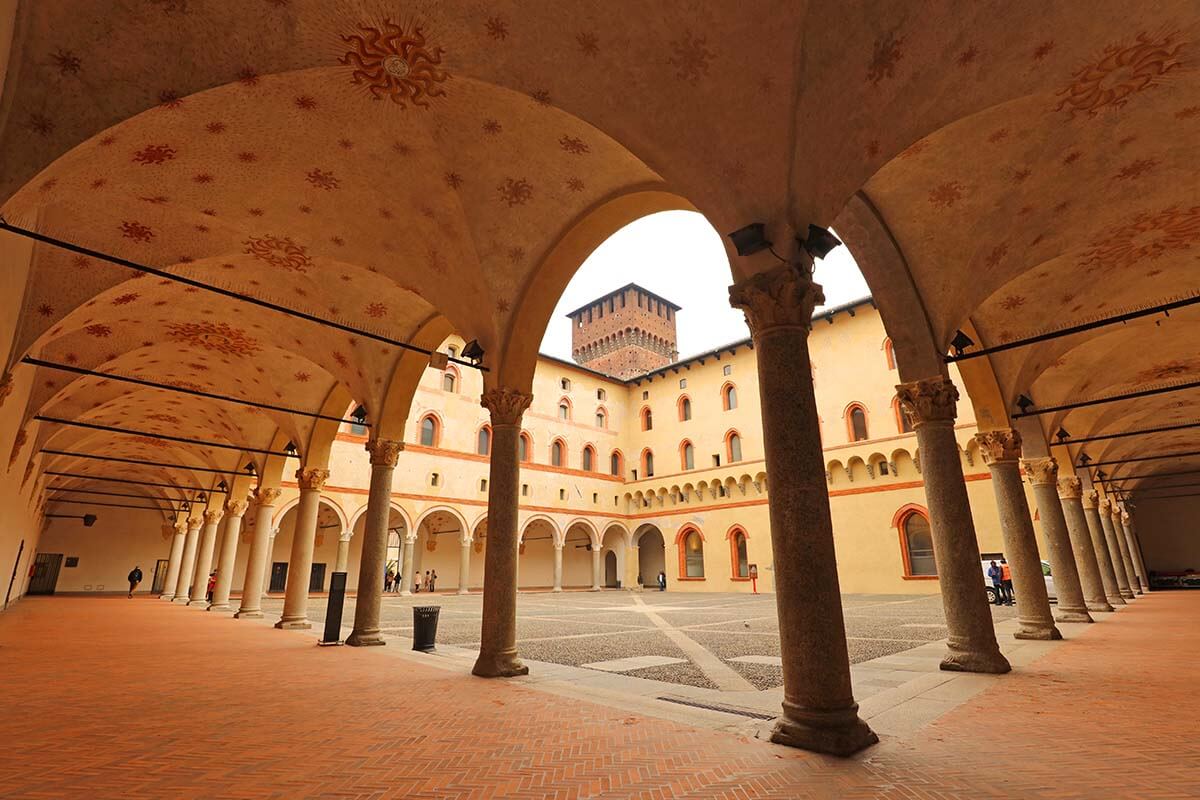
{"x": 160, "y": 576}
{"x": 278, "y": 577}
{"x": 610, "y": 570}
{"x": 45, "y": 573}
{"x": 652, "y": 557}
{"x": 316, "y": 581}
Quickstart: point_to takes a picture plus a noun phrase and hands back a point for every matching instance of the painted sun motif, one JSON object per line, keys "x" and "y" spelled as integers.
{"x": 219, "y": 337}
{"x": 394, "y": 62}
{"x": 516, "y": 191}
{"x": 1147, "y": 237}
{"x": 279, "y": 251}
{"x": 1120, "y": 72}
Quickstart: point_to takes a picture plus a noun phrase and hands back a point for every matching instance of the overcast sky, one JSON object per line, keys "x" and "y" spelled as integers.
{"x": 678, "y": 255}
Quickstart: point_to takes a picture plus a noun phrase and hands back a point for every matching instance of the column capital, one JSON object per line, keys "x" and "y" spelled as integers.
{"x": 213, "y": 515}
{"x": 194, "y": 524}
{"x": 346, "y": 536}
{"x": 311, "y": 479}
{"x": 235, "y": 508}
{"x": 1105, "y": 507}
{"x": 783, "y": 297}
{"x": 181, "y": 527}
{"x": 1125, "y": 518}
{"x": 1091, "y": 499}
{"x": 505, "y": 405}
{"x": 1041, "y": 471}
{"x": 1003, "y": 444}
{"x": 266, "y": 496}
{"x": 928, "y": 400}
{"x": 1070, "y": 487}
{"x": 384, "y": 452}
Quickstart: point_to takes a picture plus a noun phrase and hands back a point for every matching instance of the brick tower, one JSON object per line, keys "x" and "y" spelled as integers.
{"x": 625, "y": 333}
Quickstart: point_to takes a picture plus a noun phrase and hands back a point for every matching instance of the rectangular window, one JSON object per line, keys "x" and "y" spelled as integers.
{"x": 595, "y": 498}
{"x": 716, "y": 460}
{"x": 562, "y": 494}
{"x": 600, "y": 395}
{"x": 683, "y": 383}
{"x": 728, "y": 370}
{"x": 524, "y": 490}
{"x": 483, "y": 484}
{"x": 645, "y": 395}
{"x": 634, "y": 471}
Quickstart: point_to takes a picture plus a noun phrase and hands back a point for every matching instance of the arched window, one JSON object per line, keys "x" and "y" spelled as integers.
{"x": 729, "y": 397}
{"x": 889, "y": 353}
{"x": 589, "y": 458}
{"x": 903, "y": 423}
{"x": 601, "y": 418}
{"x": 647, "y": 419}
{"x": 685, "y": 408}
{"x": 558, "y": 453}
{"x": 916, "y": 542}
{"x": 739, "y": 555}
{"x": 430, "y": 431}
{"x": 856, "y": 422}
{"x": 691, "y": 553}
{"x": 647, "y": 463}
{"x": 564, "y": 409}
{"x": 483, "y": 444}
{"x": 450, "y": 381}
{"x": 525, "y": 447}
{"x": 614, "y": 463}
{"x": 687, "y": 455}
{"x": 733, "y": 447}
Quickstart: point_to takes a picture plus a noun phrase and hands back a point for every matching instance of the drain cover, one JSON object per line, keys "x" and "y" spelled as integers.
{"x": 722, "y": 707}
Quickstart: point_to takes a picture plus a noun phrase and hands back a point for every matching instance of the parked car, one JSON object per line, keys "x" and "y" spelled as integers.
{"x": 1047, "y": 576}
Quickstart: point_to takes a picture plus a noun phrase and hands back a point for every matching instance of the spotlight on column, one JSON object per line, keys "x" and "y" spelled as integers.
{"x": 1024, "y": 403}
{"x": 1101, "y": 475}
{"x": 201, "y": 498}
{"x": 359, "y": 415}
{"x": 819, "y": 242}
{"x": 250, "y": 469}
{"x": 290, "y": 448}
{"x": 961, "y": 342}
{"x": 89, "y": 520}
{"x": 1062, "y": 434}
{"x": 223, "y": 486}
{"x": 185, "y": 506}
{"x": 473, "y": 352}
{"x": 1084, "y": 459}
{"x": 750, "y": 239}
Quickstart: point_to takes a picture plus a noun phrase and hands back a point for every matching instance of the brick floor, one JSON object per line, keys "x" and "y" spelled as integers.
{"x": 115, "y": 698}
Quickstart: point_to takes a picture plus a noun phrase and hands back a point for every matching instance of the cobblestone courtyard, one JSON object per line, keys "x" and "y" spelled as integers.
{"x": 714, "y": 641}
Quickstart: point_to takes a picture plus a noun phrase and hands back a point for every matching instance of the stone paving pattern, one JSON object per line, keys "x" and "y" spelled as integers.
{"x": 107, "y": 697}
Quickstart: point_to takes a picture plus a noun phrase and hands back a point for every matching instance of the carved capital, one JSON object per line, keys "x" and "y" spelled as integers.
{"x": 311, "y": 479}
{"x": 181, "y": 527}
{"x": 929, "y": 400}
{"x": 235, "y": 508}
{"x": 505, "y": 405}
{"x": 1091, "y": 499}
{"x": 1105, "y": 507}
{"x": 1070, "y": 487}
{"x": 384, "y": 452}
{"x": 266, "y": 496}
{"x": 783, "y": 297}
{"x": 6, "y": 386}
{"x": 1125, "y": 518}
{"x": 213, "y": 515}
{"x": 1041, "y": 471}
{"x": 999, "y": 445}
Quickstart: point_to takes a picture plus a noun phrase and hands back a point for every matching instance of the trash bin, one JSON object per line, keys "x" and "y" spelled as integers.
{"x": 425, "y": 619}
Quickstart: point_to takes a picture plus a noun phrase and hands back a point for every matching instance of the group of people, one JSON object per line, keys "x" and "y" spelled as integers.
{"x": 393, "y": 581}
{"x": 1002, "y": 585}
{"x": 135, "y": 578}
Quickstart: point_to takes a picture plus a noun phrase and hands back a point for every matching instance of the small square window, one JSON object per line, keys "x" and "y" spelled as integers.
{"x": 434, "y": 478}
{"x": 483, "y": 484}
{"x": 562, "y": 494}
{"x": 565, "y": 383}
{"x": 524, "y": 490}
{"x": 601, "y": 394}
{"x": 716, "y": 460}
{"x": 634, "y": 474}
{"x": 645, "y": 395}
{"x": 595, "y": 498}
{"x": 728, "y": 370}
{"x": 683, "y": 383}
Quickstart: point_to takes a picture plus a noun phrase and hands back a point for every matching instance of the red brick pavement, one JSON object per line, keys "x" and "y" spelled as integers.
{"x": 115, "y": 698}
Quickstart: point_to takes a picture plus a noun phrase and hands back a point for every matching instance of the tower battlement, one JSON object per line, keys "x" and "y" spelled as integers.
{"x": 626, "y": 333}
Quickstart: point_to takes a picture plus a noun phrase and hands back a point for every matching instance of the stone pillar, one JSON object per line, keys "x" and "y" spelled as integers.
{"x": 234, "y": 509}
{"x": 341, "y": 562}
{"x": 558, "y": 568}
{"x": 1114, "y": 548}
{"x": 498, "y": 640}
{"x": 597, "y": 566}
{"x": 406, "y": 569}
{"x": 1108, "y": 575}
{"x": 1070, "y": 605}
{"x": 1001, "y": 450}
{"x": 819, "y": 712}
{"x": 204, "y": 557}
{"x": 1126, "y": 554}
{"x": 1135, "y": 551}
{"x": 173, "y": 561}
{"x": 373, "y": 563}
{"x": 464, "y": 566}
{"x": 1069, "y": 494}
{"x": 931, "y": 407}
{"x": 295, "y": 598}
{"x": 188, "y": 563}
{"x": 259, "y": 555}
{"x": 266, "y": 584}
{"x": 633, "y": 568}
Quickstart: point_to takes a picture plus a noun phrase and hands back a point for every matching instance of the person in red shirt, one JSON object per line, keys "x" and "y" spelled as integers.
{"x": 1006, "y": 578}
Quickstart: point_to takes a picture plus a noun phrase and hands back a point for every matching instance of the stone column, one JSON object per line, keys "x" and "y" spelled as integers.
{"x": 464, "y": 566}
{"x": 234, "y": 509}
{"x": 373, "y": 563}
{"x": 1069, "y": 494}
{"x": 819, "y": 712}
{"x": 173, "y": 561}
{"x": 1043, "y": 475}
{"x": 1001, "y": 450}
{"x": 558, "y": 568}
{"x": 188, "y": 564}
{"x": 1114, "y": 548}
{"x": 406, "y": 568}
{"x": 204, "y": 557}
{"x": 597, "y": 562}
{"x": 1108, "y": 575}
{"x": 259, "y": 555}
{"x": 341, "y": 562}
{"x": 931, "y": 407}
{"x": 295, "y": 598}
{"x": 266, "y": 584}
{"x": 1135, "y": 550}
{"x": 498, "y": 641}
{"x": 633, "y": 568}
{"x": 1126, "y": 555}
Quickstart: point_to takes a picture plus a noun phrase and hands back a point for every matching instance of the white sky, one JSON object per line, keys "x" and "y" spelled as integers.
{"x": 679, "y": 256}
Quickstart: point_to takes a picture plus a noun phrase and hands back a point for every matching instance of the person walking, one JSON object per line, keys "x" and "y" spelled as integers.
{"x": 135, "y": 577}
{"x": 433, "y": 581}
{"x": 417, "y": 582}
{"x": 996, "y": 576}
{"x": 212, "y": 585}
{"x": 388, "y": 580}
{"x": 428, "y": 582}
{"x": 1006, "y": 575}
{"x": 662, "y": 581}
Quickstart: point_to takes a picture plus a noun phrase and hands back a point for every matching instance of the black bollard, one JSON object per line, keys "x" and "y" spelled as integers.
{"x": 333, "y": 610}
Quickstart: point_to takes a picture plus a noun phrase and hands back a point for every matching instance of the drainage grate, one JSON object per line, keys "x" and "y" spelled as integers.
{"x": 726, "y": 709}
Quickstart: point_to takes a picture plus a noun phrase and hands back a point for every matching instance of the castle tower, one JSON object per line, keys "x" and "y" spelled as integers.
{"x": 625, "y": 333}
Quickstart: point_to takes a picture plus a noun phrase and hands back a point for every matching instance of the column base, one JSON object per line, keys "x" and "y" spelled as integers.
{"x": 1073, "y": 615}
{"x": 298, "y": 624}
{"x": 1115, "y": 600}
{"x": 1127, "y": 595}
{"x": 992, "y": 663}
{"x": 406, "y": 593}
{"x": 1103, "y": 608}
{"x": 167, "y": 597}
{"x": 248, "y": 614}
{"x": 594, "y": 589}
{"x": 463, "y": 591}
{"x": 505, "y": 664}
{"x": 182, "y": 600}
{"x": 838, "y": 733}
{"x": 556, "y": 589}
{"x": 202, "y": 603}
{"x": 222, "y": 607}
{"x": 1045, "y": 634}
{"x": 365, "y": 639}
